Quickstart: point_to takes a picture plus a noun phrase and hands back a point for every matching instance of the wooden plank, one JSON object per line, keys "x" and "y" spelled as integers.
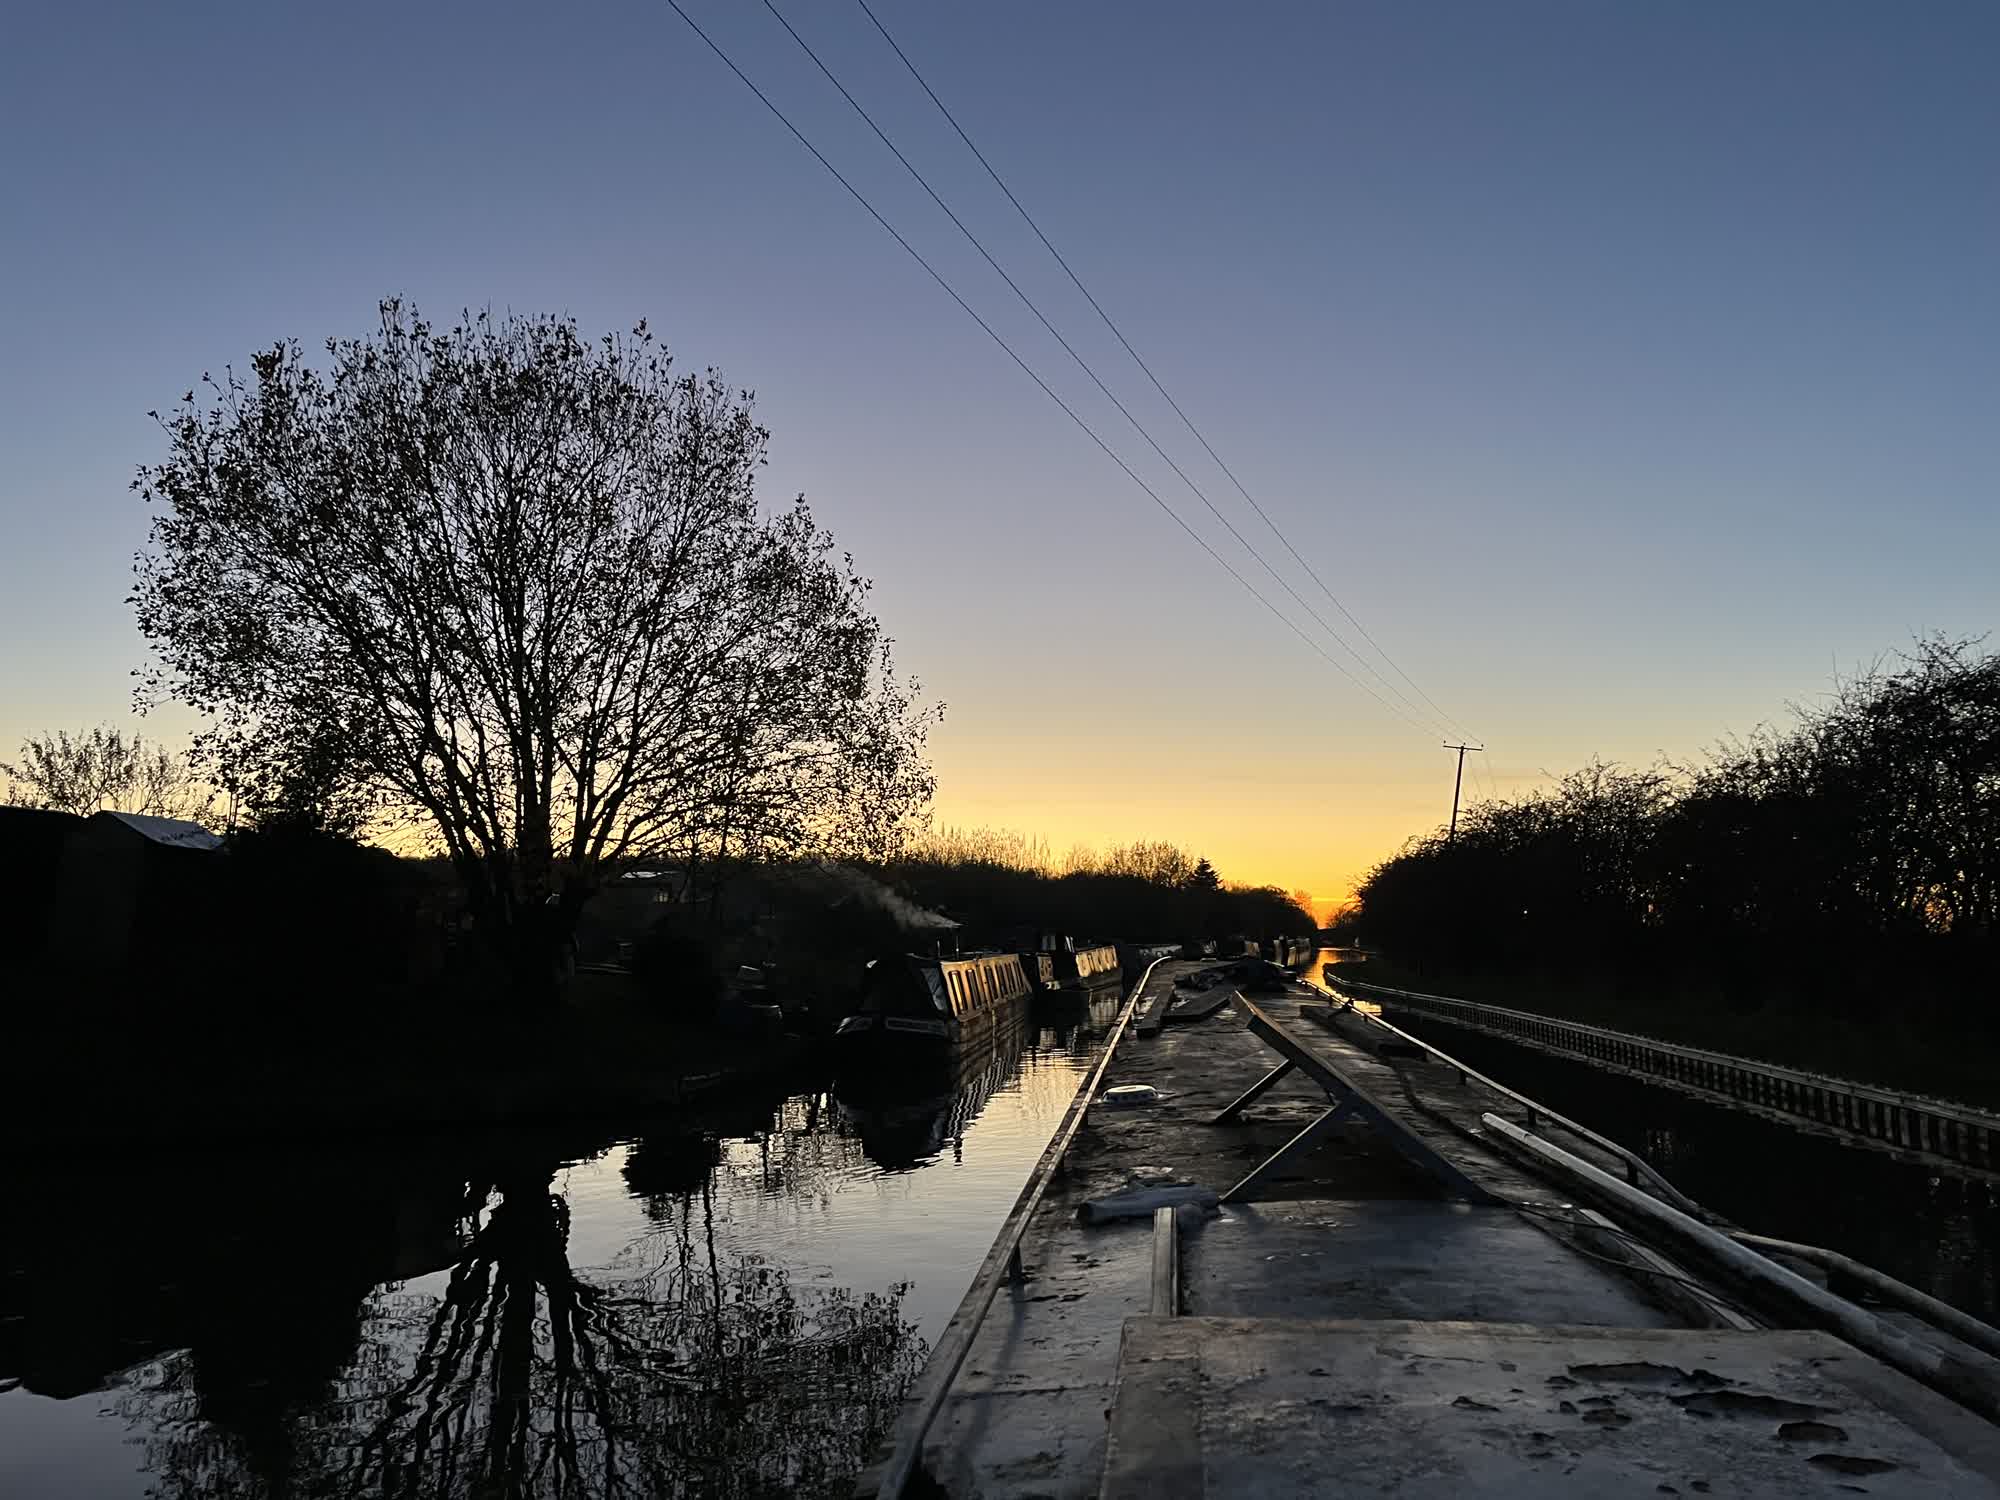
{"x": 1166, "y": 1263}
{"x": 1349, "y": 1098}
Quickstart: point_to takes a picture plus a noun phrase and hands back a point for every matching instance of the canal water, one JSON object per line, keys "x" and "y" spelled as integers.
{"x": 730, "y": 1306}
{"x": 1937, "y": 1230}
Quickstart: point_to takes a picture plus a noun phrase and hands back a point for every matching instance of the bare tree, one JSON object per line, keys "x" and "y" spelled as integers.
{"x": 516, "y": 586}
{"x": 100, "y": 770}
{"x": 1156, "y": 862}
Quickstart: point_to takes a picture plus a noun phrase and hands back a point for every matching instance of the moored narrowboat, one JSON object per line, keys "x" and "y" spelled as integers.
{"x": 1039, "y": 964}
{"x": 1091, "y": 967}
{"x": 930, "y": 1007}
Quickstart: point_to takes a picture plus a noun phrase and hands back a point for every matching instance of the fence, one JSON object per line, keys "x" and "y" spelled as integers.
{"x": 1931, "y": 1129}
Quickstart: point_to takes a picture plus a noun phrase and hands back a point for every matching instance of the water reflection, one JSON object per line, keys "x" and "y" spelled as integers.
{"x": 704, "y": 1373}
{"x": 725, "y": 1306}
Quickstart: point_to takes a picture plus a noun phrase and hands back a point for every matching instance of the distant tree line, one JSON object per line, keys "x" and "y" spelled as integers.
{"x": 997, "y": 882}
{"x": 1854, "y": 854}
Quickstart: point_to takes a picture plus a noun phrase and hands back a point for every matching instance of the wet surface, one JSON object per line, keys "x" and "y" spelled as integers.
{"x": 1453, "y": 1410}
{"x": 1345, "y": 1225}
{"x": 1934, "y": 1229}
{"x": 724, "y": 1305}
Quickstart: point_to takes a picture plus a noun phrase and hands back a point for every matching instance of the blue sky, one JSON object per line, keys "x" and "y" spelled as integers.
{"x": 1627, "y": 370}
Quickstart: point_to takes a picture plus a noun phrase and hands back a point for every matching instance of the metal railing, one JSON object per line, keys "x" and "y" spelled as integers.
{"x": 1637, "y": 1168}
{"x": 1002, "y": 1263}
{"x": 1941, "y": 1316}
{"x": 1968, "y": 1376}
{"x": 1935, "y": 1130}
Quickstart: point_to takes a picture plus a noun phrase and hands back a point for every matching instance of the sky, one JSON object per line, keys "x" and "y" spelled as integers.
{"x": 1627, "y": 371}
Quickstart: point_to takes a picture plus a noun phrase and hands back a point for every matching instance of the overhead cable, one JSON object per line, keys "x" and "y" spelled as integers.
{"x": 1147, "y": 369}
{"x": 1029, "y": 370}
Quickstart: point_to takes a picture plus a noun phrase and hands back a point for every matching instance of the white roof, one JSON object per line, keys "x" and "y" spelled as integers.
{"x": 175, "y": 833}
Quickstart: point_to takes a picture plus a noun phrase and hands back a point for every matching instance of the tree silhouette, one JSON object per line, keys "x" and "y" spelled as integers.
{"x": 516, "y": 587}
{"x": 99, "y": 770}
{"x": 1800, "y": 863}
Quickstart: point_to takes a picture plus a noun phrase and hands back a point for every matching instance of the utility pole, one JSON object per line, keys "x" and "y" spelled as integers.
{"x": 1459, "y": 781}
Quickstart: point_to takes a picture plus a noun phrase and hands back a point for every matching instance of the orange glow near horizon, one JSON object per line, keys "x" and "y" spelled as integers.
{"x": 1261, "y": 813}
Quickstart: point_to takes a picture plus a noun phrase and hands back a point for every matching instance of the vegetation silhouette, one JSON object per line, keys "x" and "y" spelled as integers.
{"x": 512, "y": 590}
{"x": 102, "y": 770}
{"x": 997, "y": 882}
{"x": 1799, "y": 873}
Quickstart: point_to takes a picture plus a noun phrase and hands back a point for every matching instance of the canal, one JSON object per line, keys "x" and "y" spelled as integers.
{"x": 1936, "y": 1230}
{"x": 726, "y": 1305}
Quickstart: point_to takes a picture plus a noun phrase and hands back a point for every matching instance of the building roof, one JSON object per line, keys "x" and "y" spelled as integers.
{"x": 174, "y": 833}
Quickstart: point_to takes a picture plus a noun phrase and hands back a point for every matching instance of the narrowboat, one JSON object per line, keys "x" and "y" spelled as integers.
{"x": 1039, "y": 964}
{"x": 930, "y": 1008}
{"x": 1093, "y": 966}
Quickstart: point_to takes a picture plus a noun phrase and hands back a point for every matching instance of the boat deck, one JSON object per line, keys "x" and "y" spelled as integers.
{"x": 1335, "y": 1320}
{"x": 1477, "y": 1411}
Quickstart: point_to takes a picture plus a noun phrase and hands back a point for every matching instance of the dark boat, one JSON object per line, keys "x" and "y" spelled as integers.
{"x": 1091, "y": 967}
{"x": 1039, "y": 964}
{"x": 934, "y": 1009}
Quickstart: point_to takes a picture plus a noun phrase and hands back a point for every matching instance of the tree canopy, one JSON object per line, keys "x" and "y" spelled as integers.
{"x": 103, "y": 770}
{"x": 1866, "y": 833}
{"x": 515, "y": 587}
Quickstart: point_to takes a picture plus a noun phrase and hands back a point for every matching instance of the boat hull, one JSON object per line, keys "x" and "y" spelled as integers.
{"x": 876, "y": 1043}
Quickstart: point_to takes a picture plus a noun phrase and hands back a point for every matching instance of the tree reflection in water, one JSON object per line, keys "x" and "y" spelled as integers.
{"x": 703, "y": 1373}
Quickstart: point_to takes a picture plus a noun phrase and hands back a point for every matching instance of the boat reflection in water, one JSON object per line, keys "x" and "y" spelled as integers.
{"x": 908, "y": 1118}
{"x": 1075, "y": 1020}
{"x": 909, "y": 1115}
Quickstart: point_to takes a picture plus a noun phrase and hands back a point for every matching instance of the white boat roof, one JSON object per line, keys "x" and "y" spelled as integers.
{"x": 174, "y": 833}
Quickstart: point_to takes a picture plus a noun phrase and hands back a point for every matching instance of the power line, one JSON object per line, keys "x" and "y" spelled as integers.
{"x": 1084, "y": 365}
{"x": 1137, "y": 359}
{"x": 1026, "y": 369}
